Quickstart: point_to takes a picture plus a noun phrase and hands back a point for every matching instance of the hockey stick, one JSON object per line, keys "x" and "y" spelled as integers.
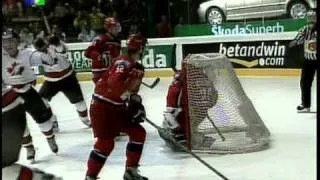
{"x": 163, "y": 131}
{"x": 173, "y": 63}
{"x": 215, "y": 127}
{"x": 152, "y": 85}
{"x": 44, "y": 19}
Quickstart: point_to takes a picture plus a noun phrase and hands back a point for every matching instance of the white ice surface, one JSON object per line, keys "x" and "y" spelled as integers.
{"x": 292, "y": 155}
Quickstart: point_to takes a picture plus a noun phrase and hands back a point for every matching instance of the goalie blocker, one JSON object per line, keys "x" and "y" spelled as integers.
{"x": 208, "y": 110}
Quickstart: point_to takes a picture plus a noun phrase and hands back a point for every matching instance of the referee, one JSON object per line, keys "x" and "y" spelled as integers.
{"x": 308, "y": 36}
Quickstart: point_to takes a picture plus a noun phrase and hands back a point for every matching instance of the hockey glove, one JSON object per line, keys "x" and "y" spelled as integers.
{"x": 134, "y": 108}
{"x": 170, "y": 118}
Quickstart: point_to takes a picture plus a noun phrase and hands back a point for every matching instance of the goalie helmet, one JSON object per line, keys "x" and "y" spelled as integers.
{"x": 136, "y": 42}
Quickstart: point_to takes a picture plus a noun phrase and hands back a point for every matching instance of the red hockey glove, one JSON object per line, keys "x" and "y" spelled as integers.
{"x": 134, "y": 109}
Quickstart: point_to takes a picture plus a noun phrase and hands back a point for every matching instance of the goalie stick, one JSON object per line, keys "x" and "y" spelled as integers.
{"x": 163, "y": 132}
{"x": 152, "y": 85}
{"x": 216, "y": 128}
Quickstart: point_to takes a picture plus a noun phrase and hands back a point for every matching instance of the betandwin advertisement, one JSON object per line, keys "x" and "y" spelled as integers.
{"x": 258, "y": 54}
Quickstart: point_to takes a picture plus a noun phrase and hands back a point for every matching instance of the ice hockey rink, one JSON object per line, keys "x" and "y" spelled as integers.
{"x": 291, "y": 156}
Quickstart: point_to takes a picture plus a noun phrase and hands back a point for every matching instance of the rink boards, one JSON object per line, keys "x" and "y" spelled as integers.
{"x": 250, "y": 54}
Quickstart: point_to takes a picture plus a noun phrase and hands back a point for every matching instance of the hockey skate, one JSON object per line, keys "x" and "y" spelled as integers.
{"x": 133, "y": 174}
{"x": 55, "y": 126}
{"x": 31, "y": 153}
{"x": 90, "y": 178}
{"x": 53, "y": 144}
{"x": 86, "y": 122}
{"x": 302, "y": 109}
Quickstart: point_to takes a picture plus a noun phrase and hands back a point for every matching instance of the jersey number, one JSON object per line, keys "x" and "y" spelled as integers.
{"x": 120, "y": 68}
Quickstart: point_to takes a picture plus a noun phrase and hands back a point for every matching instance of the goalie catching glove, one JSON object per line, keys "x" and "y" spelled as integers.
{"x": 170, "y": 118}
{"x": 135, "y": 109}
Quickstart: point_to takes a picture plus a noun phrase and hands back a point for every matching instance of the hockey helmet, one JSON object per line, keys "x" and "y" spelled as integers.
{"x": 178, "y": 75}
{"x": 112, "y": 24}
{"x": 10, "y": 40}
{"x": 136, "y": 42}
{"x": 9, "y": 33}
{"x": 312, "y": 16}
{"x": 40, "y": 44}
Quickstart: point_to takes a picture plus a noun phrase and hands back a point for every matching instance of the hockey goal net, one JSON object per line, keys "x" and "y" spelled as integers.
{"x": 221, "y": 118}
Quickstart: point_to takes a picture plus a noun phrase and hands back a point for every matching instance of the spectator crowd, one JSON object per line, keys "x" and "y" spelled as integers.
{"x": 80, "y": 20}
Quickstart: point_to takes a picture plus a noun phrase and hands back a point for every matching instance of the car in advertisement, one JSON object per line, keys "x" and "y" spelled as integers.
{"x": 220, "y": 11}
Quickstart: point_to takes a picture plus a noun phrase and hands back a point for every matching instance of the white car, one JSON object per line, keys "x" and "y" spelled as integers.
{"x": 219, "y": 11}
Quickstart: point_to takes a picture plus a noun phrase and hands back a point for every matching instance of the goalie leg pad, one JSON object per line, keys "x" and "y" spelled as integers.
{"x": 171, "y": 140}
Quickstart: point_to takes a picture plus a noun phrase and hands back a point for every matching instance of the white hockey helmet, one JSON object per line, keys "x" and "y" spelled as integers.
{"x": 10, "y": 41}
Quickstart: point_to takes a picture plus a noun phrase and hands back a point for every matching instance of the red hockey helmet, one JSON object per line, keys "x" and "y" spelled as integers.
{"x": 112, "y": 22}
{"x": 136, "y": 42}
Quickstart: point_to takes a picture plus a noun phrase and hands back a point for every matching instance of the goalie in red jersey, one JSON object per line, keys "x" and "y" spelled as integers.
{"x": 176, "y": 120}
{"x": 173, "y": 116}
{"x": 116, "y": 107}
{"x": 104, "y": 48}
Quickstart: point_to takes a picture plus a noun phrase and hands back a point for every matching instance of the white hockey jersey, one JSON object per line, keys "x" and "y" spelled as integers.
{"x": 16, "y": 71}
{"x": 10, "y": 98}
{"x": 55, "y": 62}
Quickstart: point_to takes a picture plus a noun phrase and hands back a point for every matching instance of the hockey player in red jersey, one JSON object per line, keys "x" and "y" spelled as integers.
{"x": 104, "y": 48}
{"x": 175, "y": 116}
{"x": 116, "y": 107}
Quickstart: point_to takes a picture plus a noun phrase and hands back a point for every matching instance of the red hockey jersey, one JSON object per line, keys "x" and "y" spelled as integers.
{"x": 102, "y": 51}
{"x": 174, "y": 95}
{"x": 113, "y": 85}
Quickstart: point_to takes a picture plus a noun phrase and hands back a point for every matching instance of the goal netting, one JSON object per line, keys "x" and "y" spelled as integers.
{"x": 216, "y": 102}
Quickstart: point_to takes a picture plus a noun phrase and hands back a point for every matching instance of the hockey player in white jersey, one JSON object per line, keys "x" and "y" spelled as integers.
{"x": 13, "y": 126}
{"x": 59, "y": 75}
{"x": 17, "y": 73}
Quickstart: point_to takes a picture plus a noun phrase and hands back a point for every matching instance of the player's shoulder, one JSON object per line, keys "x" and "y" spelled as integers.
{"x": 101, "y": 37}
{"x": 123, "y": 60}
{"x": 26, "y": 52}
{"x": 98, "y": 38}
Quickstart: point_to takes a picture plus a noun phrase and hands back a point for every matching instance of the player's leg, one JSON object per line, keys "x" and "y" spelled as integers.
{"x": 137, "y": 136}
{"x": 72, "y": 90}
{"x": 105, "y": 128}
{"x": 47, "y": 91}
{"x": 28, "y": 145}
{"x": 43, "y": 116}
{"x": 307, "y": 75}
{"x": 20, "y": 172}
{"x": 13, "y": 126}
